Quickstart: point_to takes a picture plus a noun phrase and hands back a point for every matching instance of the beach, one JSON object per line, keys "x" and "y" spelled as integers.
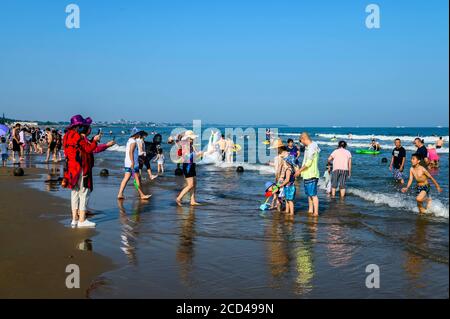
{"x": 34, "y": 249}
{"x": 228, "y": 248}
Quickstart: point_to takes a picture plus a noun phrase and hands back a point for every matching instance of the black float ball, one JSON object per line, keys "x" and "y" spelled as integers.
{"x": 384, "y": 160}
{"x": 178, "y": 172}
{"x": 18, "y": 171}
{"x": 240, "y": 169}
{"x": 104, "y": 172}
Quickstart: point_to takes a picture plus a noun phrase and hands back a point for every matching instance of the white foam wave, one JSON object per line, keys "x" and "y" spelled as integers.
{"x": 351, "y": 144}
{"x": 395, "y": 200}
{"x": 405, "y": 138}
{"x": 117, "y": 148}
{"x": 400, "y": 201}
{"x": 262, "y": 169}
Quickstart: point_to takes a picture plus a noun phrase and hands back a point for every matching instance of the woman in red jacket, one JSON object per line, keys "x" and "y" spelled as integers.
{"x": 79, "y": 152}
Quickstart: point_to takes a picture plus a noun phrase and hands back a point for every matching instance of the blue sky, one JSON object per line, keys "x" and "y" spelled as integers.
{"x": 299, "y": 62}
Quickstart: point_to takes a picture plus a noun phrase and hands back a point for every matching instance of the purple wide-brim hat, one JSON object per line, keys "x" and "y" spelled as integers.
{"x": 78, "y": 120}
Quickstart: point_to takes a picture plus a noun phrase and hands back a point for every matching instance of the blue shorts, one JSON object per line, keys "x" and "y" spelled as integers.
{"x": 311, "y": 186}
{"x": 129, "y": 170}
{"x": 289, "y": 192}
{"x": 4, "y": 157}
{"x": 398, "y": 175}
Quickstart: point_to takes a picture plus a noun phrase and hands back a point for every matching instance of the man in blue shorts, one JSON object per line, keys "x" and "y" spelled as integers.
{"x": 310, "y": 172}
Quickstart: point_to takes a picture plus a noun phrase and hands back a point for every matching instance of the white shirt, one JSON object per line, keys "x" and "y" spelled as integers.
{"x": 141, "y": 146}
{"x": 127, "y": 163}
{"x": 22, "y": 137}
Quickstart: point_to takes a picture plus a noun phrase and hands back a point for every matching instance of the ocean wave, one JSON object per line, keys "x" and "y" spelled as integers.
{"x": 262, "y": 169}
{"x": 351, "y": 144}
{"x": 395, "y": 200}
{"x": 404, "y": 138}
{"x": 399, "y": 201}
{"x": 117, "y": 148}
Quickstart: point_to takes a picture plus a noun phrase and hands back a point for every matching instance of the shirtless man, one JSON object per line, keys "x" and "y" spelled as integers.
{"x": 51, "y": 144}
{"x": 439, "y": 142}
{"x": 374, "y": 145}
{"x": 421, "y": 175}
{"x": 222, "y": 146}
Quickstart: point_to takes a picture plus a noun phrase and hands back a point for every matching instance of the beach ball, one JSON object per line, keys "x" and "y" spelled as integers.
{"x": 104, "y": 172}
{"x": 240, "y": 169}
{"x": 18, "y": 171}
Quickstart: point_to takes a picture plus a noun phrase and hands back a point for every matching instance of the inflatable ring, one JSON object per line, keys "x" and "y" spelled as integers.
{"x": 362, "y": 151}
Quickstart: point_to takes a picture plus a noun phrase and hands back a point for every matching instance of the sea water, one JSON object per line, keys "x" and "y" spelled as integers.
{"x": 228, "y": 248}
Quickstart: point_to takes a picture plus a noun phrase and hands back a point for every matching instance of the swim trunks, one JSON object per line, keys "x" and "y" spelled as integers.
{"x": 311, "y": 186}
{"x": 423, "y": 188}
{"x": 144, "y": 160}
{"x": 129, "y": 170}
{"x": 16, "y": 146}
{"x": 398, "y": 175}
{"x": 189, "y": 170}
{"x": 339, "y": 178}
{"x": 4, "y": 157}
{"x": 52, "y": 146}
{"x": 289, "y": 192}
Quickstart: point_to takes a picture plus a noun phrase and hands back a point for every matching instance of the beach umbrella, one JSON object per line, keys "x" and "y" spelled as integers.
{"x": 3, "y": 130}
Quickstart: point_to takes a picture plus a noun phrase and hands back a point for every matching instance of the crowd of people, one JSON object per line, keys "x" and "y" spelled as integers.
{"x": 22, "y": 140}
{"x": 292, "y": 162}
{"x": 339, "y": 170}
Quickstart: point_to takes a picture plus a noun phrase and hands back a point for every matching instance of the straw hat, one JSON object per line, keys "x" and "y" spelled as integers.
{"x": 277, "y": 143}
{"x": 189, "y": 134}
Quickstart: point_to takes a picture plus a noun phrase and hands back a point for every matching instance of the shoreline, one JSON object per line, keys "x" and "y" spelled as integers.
{"x": 33, "y": 264}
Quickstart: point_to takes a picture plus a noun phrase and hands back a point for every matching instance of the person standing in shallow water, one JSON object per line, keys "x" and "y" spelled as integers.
{"x": 189, "y": 153}
{"x": 309, "y": 171}
{"x": 421, "y": 175}
{"x": 78, "y": 170}
{"x": 131, "y": 164}
{"x": 342, "y": 168}
{"x": 398, "y": 161}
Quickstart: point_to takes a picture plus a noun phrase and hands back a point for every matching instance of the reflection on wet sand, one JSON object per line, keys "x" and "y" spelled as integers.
{"x": 129, "y": 232}
{"x": 53, "y": 180}
{"x": 185, "y": 249}
{"x": 304, "y": 262}
{"x": 285, "y": 250}
{"x": 414, "y": 263}
{"x": 278, "y": 250}
{"x": 339, "y": 249}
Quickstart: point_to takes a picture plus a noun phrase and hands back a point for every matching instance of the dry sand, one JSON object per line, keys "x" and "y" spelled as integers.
{"x": 35, "y": 251}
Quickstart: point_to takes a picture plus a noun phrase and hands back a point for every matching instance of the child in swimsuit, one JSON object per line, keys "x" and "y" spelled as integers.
{"x": 160, "y": 159}
{"x": 288, "y": 183}
{"x": 421, "y": 175}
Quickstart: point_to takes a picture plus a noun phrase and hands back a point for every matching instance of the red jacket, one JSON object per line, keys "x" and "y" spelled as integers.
{"x": 78, "y": 151}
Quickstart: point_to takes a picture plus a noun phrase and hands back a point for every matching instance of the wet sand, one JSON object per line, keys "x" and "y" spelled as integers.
{"x": 35, "y": 251}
